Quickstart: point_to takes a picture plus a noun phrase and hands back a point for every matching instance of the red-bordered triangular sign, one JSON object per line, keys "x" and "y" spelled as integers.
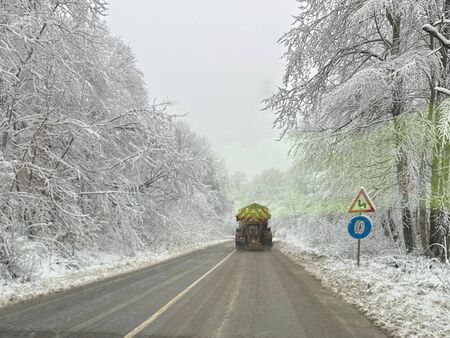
{"x": 362, "y": 203}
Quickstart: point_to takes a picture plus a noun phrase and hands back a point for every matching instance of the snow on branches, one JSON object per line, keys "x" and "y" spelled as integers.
{"x": 355, "y": 68}
{"x": 87, "y": 159}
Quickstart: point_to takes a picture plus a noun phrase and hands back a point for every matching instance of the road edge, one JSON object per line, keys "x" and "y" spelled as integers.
{"x": 85, "y": 277}
{"x": 306, "y": 259}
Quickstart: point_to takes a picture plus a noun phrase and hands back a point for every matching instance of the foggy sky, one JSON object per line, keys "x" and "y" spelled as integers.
{"x": 217, "y": 59}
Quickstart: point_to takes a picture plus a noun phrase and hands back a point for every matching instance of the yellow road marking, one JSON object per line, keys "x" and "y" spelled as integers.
{"x": 158, "y": 313}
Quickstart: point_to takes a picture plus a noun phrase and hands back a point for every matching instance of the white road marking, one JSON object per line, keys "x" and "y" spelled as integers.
{"x": 158, "y": 313}
{"x": 102, "y": 315}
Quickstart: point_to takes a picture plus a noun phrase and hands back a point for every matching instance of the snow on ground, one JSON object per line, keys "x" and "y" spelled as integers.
{"x": 408, "y": 296}
{"x": 99, "y": 265}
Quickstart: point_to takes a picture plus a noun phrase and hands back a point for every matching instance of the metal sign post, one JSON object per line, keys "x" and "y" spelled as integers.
{"x": 359, "y": 252}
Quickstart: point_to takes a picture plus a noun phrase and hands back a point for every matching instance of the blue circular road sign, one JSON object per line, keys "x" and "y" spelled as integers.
{"x": 360, "y": 227}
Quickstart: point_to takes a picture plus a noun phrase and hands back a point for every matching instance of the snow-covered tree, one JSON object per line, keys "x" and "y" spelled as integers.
{"x": 356, "y": 69}
{"x": 88, "y": 159}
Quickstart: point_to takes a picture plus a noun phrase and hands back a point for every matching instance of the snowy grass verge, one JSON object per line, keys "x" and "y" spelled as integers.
{"x": 407, "y": 296}
{"x": 105, "y": 266}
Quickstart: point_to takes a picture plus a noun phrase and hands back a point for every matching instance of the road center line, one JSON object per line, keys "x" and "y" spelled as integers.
{"x": 110, "y": 311}
{"x": 158, "y": 313}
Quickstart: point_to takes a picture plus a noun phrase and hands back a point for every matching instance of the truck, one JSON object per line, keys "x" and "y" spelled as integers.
{"x": 253, "y": 231}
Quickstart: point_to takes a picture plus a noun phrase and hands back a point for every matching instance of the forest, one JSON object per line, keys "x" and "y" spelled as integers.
{"x": 364, "y": 102}
{"x": 101, "y": 181}
{"x": 89, "y": 160}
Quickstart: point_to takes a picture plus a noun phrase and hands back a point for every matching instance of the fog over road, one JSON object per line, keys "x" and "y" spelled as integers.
{"x": 214, "y": 292}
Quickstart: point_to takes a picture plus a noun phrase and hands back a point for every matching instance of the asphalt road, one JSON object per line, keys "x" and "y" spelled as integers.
{"x": 214, "y": 292}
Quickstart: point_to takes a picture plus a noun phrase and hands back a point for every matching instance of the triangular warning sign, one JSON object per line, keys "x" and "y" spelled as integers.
{"x": 362, "y": 203}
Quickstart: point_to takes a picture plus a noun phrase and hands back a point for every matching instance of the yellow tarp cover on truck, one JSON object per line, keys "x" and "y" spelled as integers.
{"x": 254, "y": 213}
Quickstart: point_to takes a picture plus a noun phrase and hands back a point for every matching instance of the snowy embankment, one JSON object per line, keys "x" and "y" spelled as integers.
{"x": 408, "y": 296}
{"x": 54, "y": 278}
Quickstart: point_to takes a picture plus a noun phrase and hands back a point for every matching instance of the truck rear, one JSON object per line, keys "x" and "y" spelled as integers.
{"x": 253, "y": 232}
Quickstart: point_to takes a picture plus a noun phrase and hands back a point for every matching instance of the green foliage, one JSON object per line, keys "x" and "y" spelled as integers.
{"x": 328, "y": 171}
